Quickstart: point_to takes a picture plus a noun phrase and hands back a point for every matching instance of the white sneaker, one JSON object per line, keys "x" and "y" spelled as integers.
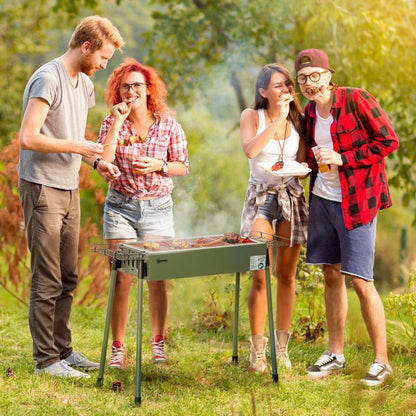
{"x": 61, "y": 369}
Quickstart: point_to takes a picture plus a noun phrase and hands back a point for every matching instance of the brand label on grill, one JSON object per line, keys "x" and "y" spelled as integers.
{"x": 258, "y": 262}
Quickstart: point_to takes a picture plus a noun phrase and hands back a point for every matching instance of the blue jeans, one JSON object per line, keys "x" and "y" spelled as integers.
{"x": 127, "y": 218}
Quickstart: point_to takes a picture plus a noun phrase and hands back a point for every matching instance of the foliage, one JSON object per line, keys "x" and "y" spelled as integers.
{"x": 370, "y": 44}
{"x": 213, "y": 318}
{"x": 199, "y": 47}
{"x": 209, "y": 199}
{"x": 15, "y": 268}
{"x": 309, "y": 315}
{"x": 16, "y": 51}
{"x": 73, "y": 7}
{"x": 25, "y": 41}
{"x": 402, "y": 307}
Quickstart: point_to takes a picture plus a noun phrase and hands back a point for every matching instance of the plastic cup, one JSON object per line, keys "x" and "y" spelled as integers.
{"x": 137, "y": 153}
{"x": 323, "y": 167}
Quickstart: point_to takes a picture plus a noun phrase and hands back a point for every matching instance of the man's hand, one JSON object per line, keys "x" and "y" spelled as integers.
{"x": 88, "y": 148}
{"x": 108, "y": 171}
{"x": 328, "y": 156}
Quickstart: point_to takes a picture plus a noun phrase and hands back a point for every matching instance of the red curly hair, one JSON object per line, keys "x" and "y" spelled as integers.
{"x": 158, "y": 93}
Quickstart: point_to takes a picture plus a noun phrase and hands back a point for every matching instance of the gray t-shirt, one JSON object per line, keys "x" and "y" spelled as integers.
{"x": 66, "y": 119}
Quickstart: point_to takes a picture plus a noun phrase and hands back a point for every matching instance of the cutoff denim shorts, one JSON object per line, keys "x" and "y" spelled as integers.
{"x": 137, "y": 219}
{"x": 271, "y": 210}
{"x": 329, "y": 242}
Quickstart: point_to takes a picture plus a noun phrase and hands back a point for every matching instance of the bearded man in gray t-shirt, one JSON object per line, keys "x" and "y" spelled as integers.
{"x": 52, "y": 144}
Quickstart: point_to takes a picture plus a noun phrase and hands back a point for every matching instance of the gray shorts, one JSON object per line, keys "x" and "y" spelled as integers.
{"x": 127, "y": 218}
{"x": 330, "y": 243}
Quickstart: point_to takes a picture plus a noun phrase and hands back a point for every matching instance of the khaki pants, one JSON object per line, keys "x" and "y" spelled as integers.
{"x": 52, "y": 219}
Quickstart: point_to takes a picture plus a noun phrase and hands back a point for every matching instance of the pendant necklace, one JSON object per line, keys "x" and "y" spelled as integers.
{"x": 279, "y": 164}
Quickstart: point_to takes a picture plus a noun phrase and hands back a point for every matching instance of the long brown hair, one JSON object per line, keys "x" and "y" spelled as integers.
{"x": 158, "y": 93}
{"x": 295, "y": 109}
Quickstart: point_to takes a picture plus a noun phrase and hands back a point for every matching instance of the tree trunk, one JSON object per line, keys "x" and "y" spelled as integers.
{"x": 236, "y": 84}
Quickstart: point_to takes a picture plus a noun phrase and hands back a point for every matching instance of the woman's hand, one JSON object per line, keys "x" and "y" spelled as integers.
{"x": 305, "y": 165}
{"x": 283, "y": 105}
{"x": 145, "y": 165}
{"x": 121, "y": 110}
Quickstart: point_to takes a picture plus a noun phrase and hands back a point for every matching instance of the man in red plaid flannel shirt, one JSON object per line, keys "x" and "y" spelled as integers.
{"x": 348, "y": 138}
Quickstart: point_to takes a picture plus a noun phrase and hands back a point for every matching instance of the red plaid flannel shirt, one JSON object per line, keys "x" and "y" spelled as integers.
{"x": 166, "y": 141}
{"x": 362, "y": 133}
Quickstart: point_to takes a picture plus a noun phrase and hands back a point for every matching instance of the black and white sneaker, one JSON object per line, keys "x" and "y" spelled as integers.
{"x": 378, "y": 374}
{"x": 326, "y": 364}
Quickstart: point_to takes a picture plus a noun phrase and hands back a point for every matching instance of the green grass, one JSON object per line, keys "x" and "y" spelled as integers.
{"x": 200, "y": 378}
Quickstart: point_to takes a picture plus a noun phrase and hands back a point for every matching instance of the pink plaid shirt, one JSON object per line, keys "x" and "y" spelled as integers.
{"x": 165, "y": 141}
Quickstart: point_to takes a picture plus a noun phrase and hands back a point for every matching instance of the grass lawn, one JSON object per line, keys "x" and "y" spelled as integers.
{"x": 200, "y": 378}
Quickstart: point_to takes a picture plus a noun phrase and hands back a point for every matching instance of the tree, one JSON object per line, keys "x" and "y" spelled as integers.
{"x": 26, "y": 27}
{"x": 371, "y": 44}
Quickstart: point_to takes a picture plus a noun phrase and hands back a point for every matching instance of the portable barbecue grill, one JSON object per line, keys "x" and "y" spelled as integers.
{"x": 190, "y": 257}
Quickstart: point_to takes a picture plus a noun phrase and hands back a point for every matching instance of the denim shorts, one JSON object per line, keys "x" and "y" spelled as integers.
{"x": 329, "y": 242}
{"x": 271, "y": 209}
{"x": 136, "y": 219}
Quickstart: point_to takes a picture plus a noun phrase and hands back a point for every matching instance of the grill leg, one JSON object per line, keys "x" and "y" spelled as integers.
{"x": 114, "y": 267}
{"x": 275, "y": 375}
{"x": 137, "y": 397}
{"x": 236, "y": 317}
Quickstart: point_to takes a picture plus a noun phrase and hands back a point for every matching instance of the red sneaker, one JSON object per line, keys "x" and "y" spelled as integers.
{"x": 118, "y": 355}
{"x": 158, "y": 349}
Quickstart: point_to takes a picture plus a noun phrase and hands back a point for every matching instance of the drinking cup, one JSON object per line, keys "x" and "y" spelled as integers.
{"x": 323, "y": 167}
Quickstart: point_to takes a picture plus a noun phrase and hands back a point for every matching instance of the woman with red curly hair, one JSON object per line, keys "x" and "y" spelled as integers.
{"x": 148, "y": 145}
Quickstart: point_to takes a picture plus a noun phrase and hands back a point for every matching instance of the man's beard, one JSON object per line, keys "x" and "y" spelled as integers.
{"x": 87, "y": 67}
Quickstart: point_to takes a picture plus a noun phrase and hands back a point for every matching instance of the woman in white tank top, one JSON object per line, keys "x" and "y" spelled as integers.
{"x": 273, "y": 131}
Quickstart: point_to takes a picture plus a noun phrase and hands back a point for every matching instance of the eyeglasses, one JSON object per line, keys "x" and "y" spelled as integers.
{"x": 314, "y": 77}
{"x": 134, "y": 85}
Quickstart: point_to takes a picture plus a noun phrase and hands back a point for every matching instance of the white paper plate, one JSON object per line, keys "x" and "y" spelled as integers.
{"x": 290, "y": 168}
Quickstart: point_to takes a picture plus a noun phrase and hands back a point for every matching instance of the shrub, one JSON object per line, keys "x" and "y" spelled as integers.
{"x": 402, "y": 309}
{"x": 15, "y": 268}
{"x": 309, "y": 315}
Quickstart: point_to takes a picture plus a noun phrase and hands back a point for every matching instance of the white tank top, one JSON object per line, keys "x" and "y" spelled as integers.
{"x": 327, "y": 184}
{"x": 271, "y": 153}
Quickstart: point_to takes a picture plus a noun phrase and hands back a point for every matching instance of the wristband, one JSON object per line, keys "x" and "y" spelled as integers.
{"x": 97, "y": 161}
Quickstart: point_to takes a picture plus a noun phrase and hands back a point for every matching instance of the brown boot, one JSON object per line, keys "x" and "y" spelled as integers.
{"x": 258, "y": 353}
{"x": 282, "y": 339}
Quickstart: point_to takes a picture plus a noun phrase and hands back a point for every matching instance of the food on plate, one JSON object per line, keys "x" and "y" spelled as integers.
{"x": 277, "y": 166}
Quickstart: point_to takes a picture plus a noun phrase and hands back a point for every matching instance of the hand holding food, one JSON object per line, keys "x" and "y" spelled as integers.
{"x": 283, "y": 105}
